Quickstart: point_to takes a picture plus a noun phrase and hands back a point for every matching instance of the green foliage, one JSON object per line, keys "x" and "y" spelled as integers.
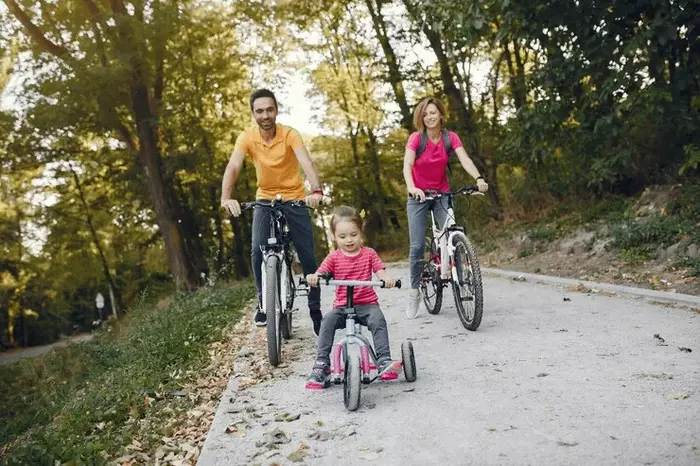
{"x": 691, "y": 264}
{"x": 656, "y": 230}
{"x": 59, "y": 399}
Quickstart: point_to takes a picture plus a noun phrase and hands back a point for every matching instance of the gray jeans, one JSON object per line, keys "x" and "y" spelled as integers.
{"x": 369, "y": 315}
{"x": 417, "y": 214}
{"x": 302, "y": 236}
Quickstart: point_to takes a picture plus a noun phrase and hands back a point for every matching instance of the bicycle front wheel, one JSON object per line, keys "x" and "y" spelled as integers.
{"x": 467, "y": 287}
{"x": 430, "y": 282}
{"x": 273, "y": 310}
{"x": 287, "y": 294}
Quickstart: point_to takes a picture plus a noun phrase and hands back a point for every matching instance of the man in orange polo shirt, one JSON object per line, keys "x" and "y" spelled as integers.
{"x": 277, "y": 152}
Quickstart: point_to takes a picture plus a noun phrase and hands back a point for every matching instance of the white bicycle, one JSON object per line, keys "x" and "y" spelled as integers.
{"x": 451, "y": 258}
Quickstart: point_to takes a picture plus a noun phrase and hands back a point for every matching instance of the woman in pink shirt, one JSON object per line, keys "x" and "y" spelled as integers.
{"x": 428, "y": 171}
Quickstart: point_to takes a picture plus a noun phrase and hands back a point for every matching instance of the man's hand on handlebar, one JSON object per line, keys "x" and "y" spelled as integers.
{"x": 232, "y": 206}
{"x": 314, "y": 200}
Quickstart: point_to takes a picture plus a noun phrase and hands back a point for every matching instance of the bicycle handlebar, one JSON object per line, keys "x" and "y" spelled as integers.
{"x": 327, "y": 279}
{"x": 250, "y": 205}
{"x": 431, "y": 194}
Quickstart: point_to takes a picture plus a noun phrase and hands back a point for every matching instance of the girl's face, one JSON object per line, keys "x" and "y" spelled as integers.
{"x": 432, "y": 118}
{"x": 348, "y": 236}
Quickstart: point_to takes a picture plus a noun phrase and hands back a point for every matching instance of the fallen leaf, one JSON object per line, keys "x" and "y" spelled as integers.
{"x": 542, "y": 374}
{"x": 684, "y": 349}
{"x": 658, "y": 337}
{"x": 179, "y": 393}
{"x": 409, "y": 389}
{"x": 567, "y": 444}
{"x": 369, "y": 456}
{"x": 520, "y": 278}
{"x": 567, "y": 299}
{"x": 491, "y": 429}
{"x": 297, "y": 456}
{"x": 677, "y": 396}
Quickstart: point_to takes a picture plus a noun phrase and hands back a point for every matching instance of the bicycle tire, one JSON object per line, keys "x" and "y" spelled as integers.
{"x": 431, "y": 284}
{"x": 286, "y": 317}
{"x": 472, "y": 291}
{"x": 352, "y": 383}
{"x": 272, "y": 301}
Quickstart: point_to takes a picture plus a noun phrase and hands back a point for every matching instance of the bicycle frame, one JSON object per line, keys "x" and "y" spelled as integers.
{"x": 354, "y": 336}
{"x": 443, "y": 242}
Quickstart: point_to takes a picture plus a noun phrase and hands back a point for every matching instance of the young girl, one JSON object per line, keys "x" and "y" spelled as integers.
{"x": 352, "y": 261}
{"x": 427, "y": 171}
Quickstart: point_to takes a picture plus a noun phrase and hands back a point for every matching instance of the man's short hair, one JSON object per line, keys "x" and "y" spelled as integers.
{"x": 262, "y": 93}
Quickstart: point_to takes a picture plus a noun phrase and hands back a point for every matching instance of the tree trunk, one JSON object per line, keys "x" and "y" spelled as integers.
{"x": 459, "y": 109}
{"x": 118, "y": 302}
{"x": 373, "y": 155}
{"x": 395, "y": 76}
{"x": 169, "y": 213}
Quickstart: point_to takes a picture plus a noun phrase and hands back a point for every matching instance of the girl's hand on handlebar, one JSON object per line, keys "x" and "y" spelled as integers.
{"x": 416, "y": 193}
{"x": 312, "y": 279}
{"x": 232, "y": 206}
{"x": 388, "y": 282}
{"x": 483, "y": 185}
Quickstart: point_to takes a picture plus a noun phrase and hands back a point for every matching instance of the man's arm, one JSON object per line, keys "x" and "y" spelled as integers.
{"x": 308, "y": 167}
{"x": 230, "y": 176}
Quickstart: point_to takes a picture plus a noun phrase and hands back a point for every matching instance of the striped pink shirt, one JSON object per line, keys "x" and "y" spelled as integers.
{"x": 358, "y": 267}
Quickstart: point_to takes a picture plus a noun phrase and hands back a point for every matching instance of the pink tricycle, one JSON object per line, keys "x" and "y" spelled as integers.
{"x": 353, "y": 360}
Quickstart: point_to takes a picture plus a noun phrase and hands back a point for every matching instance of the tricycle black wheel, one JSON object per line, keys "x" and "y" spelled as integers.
{"x": 409, "y": 361}
{"x": 352, "y": 384}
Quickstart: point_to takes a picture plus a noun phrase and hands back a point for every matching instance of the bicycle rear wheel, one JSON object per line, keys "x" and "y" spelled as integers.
{"x": 273, "y": 310}
{"x": 430, "y": 282}
{"x": 468, "y": 288}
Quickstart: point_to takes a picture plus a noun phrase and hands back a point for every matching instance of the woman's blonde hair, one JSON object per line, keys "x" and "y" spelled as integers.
{"x": 419, "y": 112}
{"x": 345, "y": 214}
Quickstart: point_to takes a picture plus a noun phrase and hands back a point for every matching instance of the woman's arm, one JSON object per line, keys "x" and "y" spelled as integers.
{"x": 470, "y": 168}
{"x": 409, "y": 159}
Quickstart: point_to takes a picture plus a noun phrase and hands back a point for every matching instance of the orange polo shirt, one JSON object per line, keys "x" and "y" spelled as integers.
{"x": 276, "y": 165}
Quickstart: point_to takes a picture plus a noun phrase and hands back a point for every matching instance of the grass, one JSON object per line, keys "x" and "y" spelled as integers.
{"x": 83, "y": 404}
{"x": 691, "y": 264}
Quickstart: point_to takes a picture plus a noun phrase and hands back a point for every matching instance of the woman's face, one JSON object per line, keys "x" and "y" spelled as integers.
{"x": 432, "y": 118}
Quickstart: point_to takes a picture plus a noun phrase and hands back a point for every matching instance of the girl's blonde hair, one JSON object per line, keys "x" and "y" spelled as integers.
{"x": 345, "y": 214}
{"x": 419, "y": 112}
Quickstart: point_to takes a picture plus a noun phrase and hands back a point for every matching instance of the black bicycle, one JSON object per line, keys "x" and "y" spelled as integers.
{"x": 278, "y": 289}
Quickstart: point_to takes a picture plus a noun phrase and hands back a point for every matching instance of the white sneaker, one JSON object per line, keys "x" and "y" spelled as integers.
{"x": 414, "y": 299}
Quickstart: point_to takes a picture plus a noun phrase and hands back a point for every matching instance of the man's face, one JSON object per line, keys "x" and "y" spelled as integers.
{"x": 265, "y": 112}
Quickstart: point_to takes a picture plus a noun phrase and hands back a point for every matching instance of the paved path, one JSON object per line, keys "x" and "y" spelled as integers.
{"x": 543, "y": 381}
{"x": 34, "y": 351}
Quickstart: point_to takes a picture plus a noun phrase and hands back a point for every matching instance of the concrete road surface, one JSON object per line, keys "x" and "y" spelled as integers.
{"x": 544, "y": 381}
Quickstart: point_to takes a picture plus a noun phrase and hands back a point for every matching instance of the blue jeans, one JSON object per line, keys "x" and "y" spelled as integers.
{"x": 302, "y": 236}
{"x": 417, "y": 214}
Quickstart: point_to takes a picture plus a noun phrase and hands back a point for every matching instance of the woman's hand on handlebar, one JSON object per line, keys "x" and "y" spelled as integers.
{"x": 483, "y": 185}
{"x": 416, "y": 193}
{"x": 312, "y": 279}
{"x": 232, "y": 206}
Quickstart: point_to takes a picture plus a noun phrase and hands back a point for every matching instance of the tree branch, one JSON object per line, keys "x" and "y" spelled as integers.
{"x": 36, "y": 34}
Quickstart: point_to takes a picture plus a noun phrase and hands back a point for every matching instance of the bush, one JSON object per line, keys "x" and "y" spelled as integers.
{"x": 56, "y": 400}
{"x": 657, "y": 230}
